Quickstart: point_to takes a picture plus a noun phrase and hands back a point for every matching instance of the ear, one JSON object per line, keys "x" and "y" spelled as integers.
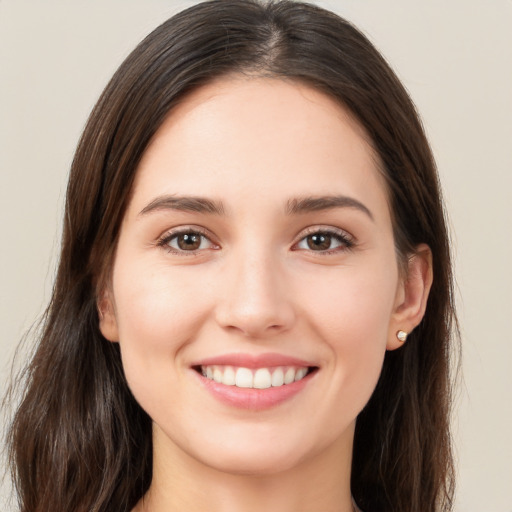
{"x": 107, "y": 316}
{"x": 412, "y": 295}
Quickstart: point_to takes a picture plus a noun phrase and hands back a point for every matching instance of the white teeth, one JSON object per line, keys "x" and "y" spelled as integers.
{"x": 278, "y": 377}
{"x": 289, "y": 376}
{"x": 243, "y": 378}
{"x": 261, "y": 378}
{"x": 229, "y": 376}
{"x": 217, "y": 375}
{"x": 301, "y": 373}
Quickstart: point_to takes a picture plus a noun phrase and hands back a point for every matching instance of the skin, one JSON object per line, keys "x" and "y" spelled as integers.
{"x": 254, "y": 286}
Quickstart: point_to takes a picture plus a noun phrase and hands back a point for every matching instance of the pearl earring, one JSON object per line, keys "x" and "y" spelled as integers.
{"x": 402, "y": 336}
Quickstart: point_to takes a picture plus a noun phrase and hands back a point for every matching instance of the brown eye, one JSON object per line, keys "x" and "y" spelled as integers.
{"x": 189, "y": 241}
{"x": 326, "y": 242}
{"x": 319, "y": 241}
{"x": 186, "y": 241}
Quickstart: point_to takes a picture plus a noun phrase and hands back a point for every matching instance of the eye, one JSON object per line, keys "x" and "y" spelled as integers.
{"x": 325, "y": 241}
{"x": 185, "y": 241}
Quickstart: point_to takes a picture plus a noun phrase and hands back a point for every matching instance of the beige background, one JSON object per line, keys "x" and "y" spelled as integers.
{"x": 455, "y": 58}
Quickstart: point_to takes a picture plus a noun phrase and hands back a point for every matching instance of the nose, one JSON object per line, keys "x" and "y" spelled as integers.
{"x": 256, "y": 300}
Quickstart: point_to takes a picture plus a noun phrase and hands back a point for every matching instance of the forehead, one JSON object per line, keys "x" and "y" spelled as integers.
{"x": 274, "y": 136}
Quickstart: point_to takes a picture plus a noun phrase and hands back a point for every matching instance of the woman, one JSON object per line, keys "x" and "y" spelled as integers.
{"x": 253, "y": 306}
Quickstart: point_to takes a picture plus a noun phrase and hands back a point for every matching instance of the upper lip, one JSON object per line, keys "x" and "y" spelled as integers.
{"x": 266, "y": 360}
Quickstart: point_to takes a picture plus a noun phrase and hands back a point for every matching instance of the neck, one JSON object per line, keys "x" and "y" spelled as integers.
{"x": 182, "y": 483}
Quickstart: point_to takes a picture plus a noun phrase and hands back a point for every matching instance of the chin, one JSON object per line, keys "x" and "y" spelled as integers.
{"x": 264, "y": 453}
{"x": 256, "y": 463}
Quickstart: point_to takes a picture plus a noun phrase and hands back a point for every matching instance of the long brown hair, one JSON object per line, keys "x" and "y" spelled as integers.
{"x": 79, "y": 441}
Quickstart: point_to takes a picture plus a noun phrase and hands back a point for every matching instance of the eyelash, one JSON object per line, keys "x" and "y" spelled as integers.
{"x": 346, "y": 241}
{"x": 168, "y": 237}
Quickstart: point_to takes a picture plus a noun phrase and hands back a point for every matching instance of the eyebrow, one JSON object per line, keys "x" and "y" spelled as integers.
{"x": 185, "y": 203}
{"x": 316, "y": 203}
{"x": 294, "y": 206}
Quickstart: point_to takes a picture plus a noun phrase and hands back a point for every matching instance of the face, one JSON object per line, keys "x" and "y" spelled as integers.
{"x": 255, "y": 286}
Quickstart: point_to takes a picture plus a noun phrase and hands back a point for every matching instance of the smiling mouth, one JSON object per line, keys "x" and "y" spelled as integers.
{"x": 255, "y": 378}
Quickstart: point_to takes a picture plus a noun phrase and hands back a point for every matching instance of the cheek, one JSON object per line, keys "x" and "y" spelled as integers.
{"x": 354, "y": 306}
{"x": 351, "y": 315}
{"x": 152, "y": 303}
{"x": 157, "y": 315}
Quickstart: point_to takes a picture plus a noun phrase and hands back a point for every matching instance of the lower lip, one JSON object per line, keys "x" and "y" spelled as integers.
{"x": 254, "y": 399}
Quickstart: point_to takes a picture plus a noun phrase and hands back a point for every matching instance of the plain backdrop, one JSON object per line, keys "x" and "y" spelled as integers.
{"x": 454, "y": 57}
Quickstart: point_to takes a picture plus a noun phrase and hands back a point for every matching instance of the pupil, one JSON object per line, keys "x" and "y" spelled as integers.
{"x": 189, "y": 242}
{"x": 321, "y": 242}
